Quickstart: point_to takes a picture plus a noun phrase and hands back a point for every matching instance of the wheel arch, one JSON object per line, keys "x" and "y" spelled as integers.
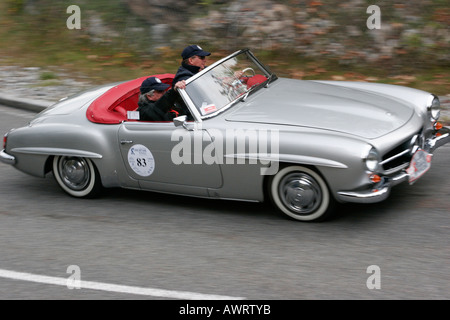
{"x": 93, "y": 182}
{"x": 62, "y": 152}
{"x": 314, "y": 167}
{"x": 323, "y": 211}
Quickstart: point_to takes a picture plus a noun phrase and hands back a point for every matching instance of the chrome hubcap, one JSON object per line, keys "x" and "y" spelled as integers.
{"x": 74, "y": 173}
{"x": 300, "y": 193}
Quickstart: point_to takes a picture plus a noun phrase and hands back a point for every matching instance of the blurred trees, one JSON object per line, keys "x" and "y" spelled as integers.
{"x": 411, "y": 31}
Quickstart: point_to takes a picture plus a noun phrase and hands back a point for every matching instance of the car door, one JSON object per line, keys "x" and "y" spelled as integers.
{"x": 169, "y": 159}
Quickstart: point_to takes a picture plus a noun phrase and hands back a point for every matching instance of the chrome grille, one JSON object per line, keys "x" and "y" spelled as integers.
{"x": 399, "y": 157}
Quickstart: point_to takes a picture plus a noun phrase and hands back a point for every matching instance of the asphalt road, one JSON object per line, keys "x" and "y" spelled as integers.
{"x": 230, "y": 249}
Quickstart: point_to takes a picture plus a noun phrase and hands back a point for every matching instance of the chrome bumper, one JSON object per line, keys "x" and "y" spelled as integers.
{"x": 438, "y": 139}
{"x": 381, "y": 192}
{"x": 7, "y": 158}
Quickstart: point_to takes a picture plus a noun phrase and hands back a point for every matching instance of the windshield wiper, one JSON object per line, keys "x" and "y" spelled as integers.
{"x": 271, "y": 77}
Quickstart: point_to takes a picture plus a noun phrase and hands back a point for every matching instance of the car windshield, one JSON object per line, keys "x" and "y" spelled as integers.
{"x": 226, "y": 82}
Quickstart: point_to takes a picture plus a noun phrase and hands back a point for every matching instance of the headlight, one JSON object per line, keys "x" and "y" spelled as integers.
{"x": 434, "y": 108}
{"x": 372, "y": 159}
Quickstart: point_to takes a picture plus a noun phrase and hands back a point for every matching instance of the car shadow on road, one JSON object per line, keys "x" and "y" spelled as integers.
{"x": 144, "y": 200}
{"x": 344, "y": 213}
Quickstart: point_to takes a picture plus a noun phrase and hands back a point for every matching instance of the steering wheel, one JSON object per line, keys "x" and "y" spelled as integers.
{"x": 248, "y": 69}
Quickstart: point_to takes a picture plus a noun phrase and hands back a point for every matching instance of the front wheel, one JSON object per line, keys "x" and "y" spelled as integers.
{"x": 77, "y": 176}
{"x": 301, "y": 194}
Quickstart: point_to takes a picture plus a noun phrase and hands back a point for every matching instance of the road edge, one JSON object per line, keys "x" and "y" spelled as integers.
{"x": 23, "y": 103}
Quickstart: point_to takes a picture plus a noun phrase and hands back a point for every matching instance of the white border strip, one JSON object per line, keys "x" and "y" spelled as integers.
{"x": 183, "y": 295}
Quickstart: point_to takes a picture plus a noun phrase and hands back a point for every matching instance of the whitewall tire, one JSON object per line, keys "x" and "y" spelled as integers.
{"x": 77, "y": 176}
{"x": 301, "y": 194}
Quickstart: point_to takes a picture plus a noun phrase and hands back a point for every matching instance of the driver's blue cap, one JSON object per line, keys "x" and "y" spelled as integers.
{"x": 194, "y": 50}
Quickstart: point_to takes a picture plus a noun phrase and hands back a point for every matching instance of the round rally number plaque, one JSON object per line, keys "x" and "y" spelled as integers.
{"x": 141, "y": 160}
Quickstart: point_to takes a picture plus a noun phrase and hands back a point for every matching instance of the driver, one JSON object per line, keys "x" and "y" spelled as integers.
{"x": 194, "y": 61}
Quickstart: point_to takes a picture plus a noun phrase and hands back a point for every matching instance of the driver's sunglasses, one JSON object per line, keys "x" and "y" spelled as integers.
{"x": 201, "y": 58}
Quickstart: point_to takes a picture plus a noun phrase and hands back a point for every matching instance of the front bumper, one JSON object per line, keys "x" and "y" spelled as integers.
{"x": 438, "y": 139}
{"x": 382, "y": 191}
{"x": 7, "y": 158}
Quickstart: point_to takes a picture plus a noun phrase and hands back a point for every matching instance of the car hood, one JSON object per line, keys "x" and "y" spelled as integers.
{"x": 324, "y": 106}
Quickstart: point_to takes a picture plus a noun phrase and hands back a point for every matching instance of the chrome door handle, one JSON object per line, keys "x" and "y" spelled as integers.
{"x": 126, "y": 142}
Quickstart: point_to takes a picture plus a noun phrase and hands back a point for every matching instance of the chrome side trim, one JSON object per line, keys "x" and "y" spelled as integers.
{"x": 289, "y": 158}
{"x": 7, "y": 158}
{"x": 58, "y": 152}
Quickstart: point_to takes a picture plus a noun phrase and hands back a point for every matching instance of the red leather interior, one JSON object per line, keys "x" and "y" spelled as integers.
{"x": 256, "y": 79}
{"x": 112, "y": 106}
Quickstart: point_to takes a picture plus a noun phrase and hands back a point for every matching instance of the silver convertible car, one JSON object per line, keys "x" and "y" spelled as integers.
{"x": 244, "y": 134}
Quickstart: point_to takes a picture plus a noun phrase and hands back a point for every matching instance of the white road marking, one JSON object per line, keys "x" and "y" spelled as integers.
{"x": 161, "y": 293}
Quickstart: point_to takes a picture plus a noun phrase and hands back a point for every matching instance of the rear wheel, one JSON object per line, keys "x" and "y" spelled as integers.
{"x": 301, "y": 194}
{"x": 77, "y": 176}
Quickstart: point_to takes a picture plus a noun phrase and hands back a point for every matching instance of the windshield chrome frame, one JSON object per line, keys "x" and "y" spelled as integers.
{"x": 190, "y": 104}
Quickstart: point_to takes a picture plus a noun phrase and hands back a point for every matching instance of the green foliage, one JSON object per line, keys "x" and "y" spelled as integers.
{"x": 48, "y": 75}
{"x": 36, "y": 34}
{"x": 414, "y": 41}
{"x": 206, "y": 3}
{"x": 14, "y": 6}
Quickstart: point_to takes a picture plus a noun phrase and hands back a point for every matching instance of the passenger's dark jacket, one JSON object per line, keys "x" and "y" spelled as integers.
{"x": 162, "y": 110}
{"x": 185, "y": 72}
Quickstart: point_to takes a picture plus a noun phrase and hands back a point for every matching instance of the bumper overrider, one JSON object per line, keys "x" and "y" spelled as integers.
{"x": 7, "y": 158}
{"x": 382, "y": 191}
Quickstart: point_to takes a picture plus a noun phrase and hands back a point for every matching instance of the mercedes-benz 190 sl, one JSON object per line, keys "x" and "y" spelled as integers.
{"x": 244, "y": 134}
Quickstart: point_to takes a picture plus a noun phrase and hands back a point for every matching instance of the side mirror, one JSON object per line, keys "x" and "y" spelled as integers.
{"x": 181, "y": 121}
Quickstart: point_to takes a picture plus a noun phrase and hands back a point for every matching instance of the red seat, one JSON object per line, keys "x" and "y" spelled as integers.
{"x": 112, "y": 106}
{"x": 256, "y": 79}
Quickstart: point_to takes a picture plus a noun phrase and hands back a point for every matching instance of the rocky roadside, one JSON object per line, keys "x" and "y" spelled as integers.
{"x": 37, "y": 84}
{"x": 34, "y": 85}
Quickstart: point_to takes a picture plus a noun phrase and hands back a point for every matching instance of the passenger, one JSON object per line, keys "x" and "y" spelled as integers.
{"x": 157, "y": 104}
{"x": 194, "y": 61}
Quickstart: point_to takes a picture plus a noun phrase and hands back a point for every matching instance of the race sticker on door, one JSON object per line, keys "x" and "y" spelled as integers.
{"x": 141, "y": 160}
{"x": 420, "y": 163}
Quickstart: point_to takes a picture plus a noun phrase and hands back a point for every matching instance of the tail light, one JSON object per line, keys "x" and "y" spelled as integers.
{"x": 5, "y": 137}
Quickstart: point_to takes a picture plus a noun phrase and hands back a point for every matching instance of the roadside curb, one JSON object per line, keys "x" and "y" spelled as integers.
{"x": 23, "y": 103}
